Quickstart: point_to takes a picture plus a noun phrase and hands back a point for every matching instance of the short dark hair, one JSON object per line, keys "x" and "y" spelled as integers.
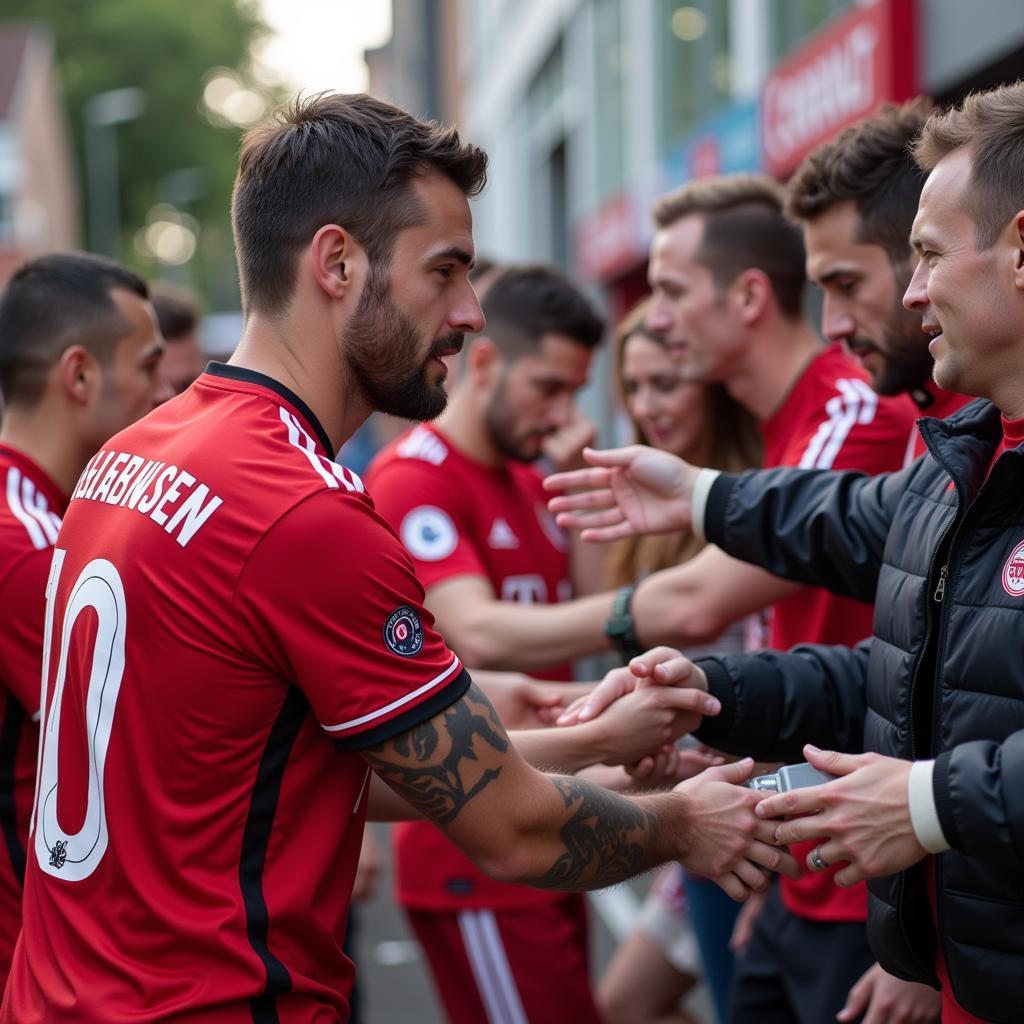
{"x": 523, "y": 303}
{"x": 177, "y": 311}
{"x": 335, "y": 159}
{"x": 991, "y": 126}
{"x": 871, "y": 163}
{"x": 52, "y": 303}
{"x": 744, "y": 228}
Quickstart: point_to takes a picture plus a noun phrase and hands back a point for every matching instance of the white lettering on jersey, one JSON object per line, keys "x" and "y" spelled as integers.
{"x": 423, "y": 444}
{"x": 501, "y": 535}
{"x": 524, "y": 589}
{"x": 428, "y": 533}
{"x": 166, "y": 494}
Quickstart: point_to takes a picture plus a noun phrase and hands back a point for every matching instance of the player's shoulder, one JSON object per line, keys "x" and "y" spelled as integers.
{"x": 419, "y": 451}
{"x": 28, "y": 523}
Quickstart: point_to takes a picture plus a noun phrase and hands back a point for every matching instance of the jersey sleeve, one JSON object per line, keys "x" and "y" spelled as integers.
{"x": 23, "y": 606}
{"x": 427, "y": 512}
{"x": 329, "y": 600}
{"x": 855, "y": 429}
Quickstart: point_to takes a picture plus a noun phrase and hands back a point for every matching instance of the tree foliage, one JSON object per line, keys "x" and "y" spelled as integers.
{"x": 167, "y": 48}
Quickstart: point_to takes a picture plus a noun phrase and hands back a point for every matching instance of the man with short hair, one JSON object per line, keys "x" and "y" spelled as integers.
{"x": 467, "y": 502}
{"x": 235, "y": 640}
{"x": 177, "y": 312}
{"x": 933, "y": 815}
{"x": 79, "y": 359}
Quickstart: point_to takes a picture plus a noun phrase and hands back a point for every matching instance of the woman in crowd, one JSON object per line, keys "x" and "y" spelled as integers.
{"x": 659, "y": 962}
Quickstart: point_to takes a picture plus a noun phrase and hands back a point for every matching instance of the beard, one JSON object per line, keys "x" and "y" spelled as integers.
{"x": 906, "y": 361}
{"x": 500, "y": 421}
{"x": 383, "y": 350}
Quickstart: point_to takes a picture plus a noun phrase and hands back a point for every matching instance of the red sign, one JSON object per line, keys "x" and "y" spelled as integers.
{"x": 841, "y": 74}
{"x": 611, "y": 241}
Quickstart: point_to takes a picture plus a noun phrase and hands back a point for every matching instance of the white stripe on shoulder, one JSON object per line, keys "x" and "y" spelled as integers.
{"x": 843, "y": 412}
{"x": 36, "y": 505}
{"x": 14, "y": 502}
{"x": 301, "y": 440}
{"x": 423, "y": 444}
{"x": 868, "y": 398}
{"x": 354, "y": 723}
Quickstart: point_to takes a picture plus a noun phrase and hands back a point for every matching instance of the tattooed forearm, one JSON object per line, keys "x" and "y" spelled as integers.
{"x": 463, "y": 737}
{"x": 606, "y": 839}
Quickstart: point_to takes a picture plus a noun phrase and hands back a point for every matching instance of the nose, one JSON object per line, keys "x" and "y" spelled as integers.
{"x": 561, "y": 411}
{"x": 916, "y": 295}
{"x": 836, "y": 323}
{"x": 642, "y": 403}
{"x": 658, "y": 318}
{"x": 467, "y": 317}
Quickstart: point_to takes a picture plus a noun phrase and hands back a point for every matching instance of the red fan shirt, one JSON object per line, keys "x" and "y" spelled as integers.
{"x": 30, "y": 509}
{"x": 457, "y": 517}
{"x": 931, "y": 400}
{"x": 831, "y": 419}
{"x": 228, "y": 623}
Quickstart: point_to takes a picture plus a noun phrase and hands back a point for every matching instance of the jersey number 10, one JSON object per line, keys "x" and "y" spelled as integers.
{"x": 98, "y": 587}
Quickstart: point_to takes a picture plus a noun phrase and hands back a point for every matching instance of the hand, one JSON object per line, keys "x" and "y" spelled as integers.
{"x": 863, "y": 816}
{"x": 633, "y": 491}
{"x": 661, "y": 666}
{"x": 888, "y": 1000}
{"x": 564, "y": 448}
{"x": 743, "y": 927}
{"x": 671, "y": 765}
{"x": 723, "y": 839}
{"x": 521, "y": 702}
{"x": 647, "y": 719}
{"x": 364, "y": 886}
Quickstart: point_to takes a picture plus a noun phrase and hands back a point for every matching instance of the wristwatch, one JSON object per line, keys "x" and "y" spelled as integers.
{"x": 619, "y": 626}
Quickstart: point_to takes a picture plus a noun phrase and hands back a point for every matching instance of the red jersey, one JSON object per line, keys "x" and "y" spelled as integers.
{"x": 831, "y": 419}
{"x": 460, "y": 518}
{"x": 30, "y": 512}
{"x": 228, "y": 623}
{"x": 931, "y": 400}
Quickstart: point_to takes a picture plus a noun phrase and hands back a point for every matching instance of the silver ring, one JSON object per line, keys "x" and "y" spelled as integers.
{"x": 817, "y": 861}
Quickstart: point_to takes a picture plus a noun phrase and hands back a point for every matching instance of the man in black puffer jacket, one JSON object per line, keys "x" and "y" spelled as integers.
{"x": 937, "y": 695}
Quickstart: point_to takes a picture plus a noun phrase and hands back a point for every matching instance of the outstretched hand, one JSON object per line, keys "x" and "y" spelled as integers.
{"x": 629, "y": 492}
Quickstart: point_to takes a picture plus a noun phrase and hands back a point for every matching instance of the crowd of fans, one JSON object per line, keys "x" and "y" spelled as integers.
{"x": 810, "y": 551}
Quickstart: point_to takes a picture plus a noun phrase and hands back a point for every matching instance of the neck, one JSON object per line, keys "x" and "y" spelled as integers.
{"x": 772, "y": 365}
{"x": 49, "y": 440}
{"x": 462, "y": 423}
{"x": 297, "y": 353}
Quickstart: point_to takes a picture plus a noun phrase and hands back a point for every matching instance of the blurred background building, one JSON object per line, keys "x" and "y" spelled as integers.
{"x": 590, "y": 109}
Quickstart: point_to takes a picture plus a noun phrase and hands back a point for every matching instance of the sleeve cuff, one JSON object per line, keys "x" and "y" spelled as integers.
{"x": 701, "y": 490}
{"x": 924, "y": 817}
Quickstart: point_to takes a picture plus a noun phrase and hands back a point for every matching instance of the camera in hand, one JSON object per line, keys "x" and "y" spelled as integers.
{"x": 790, "y": 776}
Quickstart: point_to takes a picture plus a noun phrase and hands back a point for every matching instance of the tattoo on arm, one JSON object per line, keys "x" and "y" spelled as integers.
{"x": 465, "y": 733}
{"x": 606, "y": 837}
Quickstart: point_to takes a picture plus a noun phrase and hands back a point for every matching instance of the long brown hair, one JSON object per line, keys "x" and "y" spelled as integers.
{"x": 730, "y": 441}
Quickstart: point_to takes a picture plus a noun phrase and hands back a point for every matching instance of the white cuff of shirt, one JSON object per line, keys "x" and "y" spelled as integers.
{"x": 699, "y": 501}
{"x": 921, "y": 801}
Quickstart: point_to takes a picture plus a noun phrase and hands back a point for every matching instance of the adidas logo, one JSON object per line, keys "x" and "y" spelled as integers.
{"x": 501, "y": 535}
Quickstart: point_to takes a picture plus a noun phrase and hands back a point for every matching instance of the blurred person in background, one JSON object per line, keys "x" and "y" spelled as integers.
{"x": 178, "y": 314}
{"x": 727, "y": 272}
{"x": 80, "y": 357}
{"x": 661, "y": 961}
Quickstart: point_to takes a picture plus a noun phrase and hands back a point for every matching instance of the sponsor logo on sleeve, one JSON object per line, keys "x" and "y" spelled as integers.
{"x": 403, "y": 632}
{"x": 1013, "y": 572}
{"x": 429, "y": 534}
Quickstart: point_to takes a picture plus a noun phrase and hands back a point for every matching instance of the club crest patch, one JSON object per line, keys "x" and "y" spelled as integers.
{"x": 1013, "y": 572}
{"x": 403, "y": 632}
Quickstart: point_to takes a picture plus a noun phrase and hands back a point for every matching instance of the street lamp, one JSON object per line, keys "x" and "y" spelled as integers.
{"x": 103, "y": 112}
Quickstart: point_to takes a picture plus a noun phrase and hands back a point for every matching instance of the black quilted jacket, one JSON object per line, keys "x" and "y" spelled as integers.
{"x": 940, "y": 550}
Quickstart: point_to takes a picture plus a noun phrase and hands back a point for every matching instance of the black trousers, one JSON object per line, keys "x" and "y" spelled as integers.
{"x": 796, "y": 971}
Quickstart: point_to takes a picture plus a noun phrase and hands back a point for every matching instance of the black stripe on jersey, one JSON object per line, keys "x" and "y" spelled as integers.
{"x": 10, "y": 737}
{"x": 433, "y": 705}
{"x": 255, "y": 839}
{"x": 254, "y": 377}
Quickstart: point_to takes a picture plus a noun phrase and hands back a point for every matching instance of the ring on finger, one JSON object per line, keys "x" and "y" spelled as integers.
{"x": 817, "y": 861}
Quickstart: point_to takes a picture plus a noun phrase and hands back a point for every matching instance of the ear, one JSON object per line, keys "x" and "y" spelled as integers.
{"x": 483, "y": 361}
{"x": 750, "y": 295}
{"x": 338, "y": 261}
{"x": 77, "y": 374}
{"x": 1018, "y": 251}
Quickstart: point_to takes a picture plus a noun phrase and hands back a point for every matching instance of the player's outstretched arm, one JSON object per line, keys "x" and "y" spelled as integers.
{"x": 630, "y": 491}
{"x": 460, "y": 770}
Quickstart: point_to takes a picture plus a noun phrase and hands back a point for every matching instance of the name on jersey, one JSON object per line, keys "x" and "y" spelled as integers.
{"x": 167, "y": 494}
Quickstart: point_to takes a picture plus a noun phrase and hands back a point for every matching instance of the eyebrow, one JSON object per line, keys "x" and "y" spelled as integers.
{"x": 454, "y": 252}
{"x": 835, "y": 273}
